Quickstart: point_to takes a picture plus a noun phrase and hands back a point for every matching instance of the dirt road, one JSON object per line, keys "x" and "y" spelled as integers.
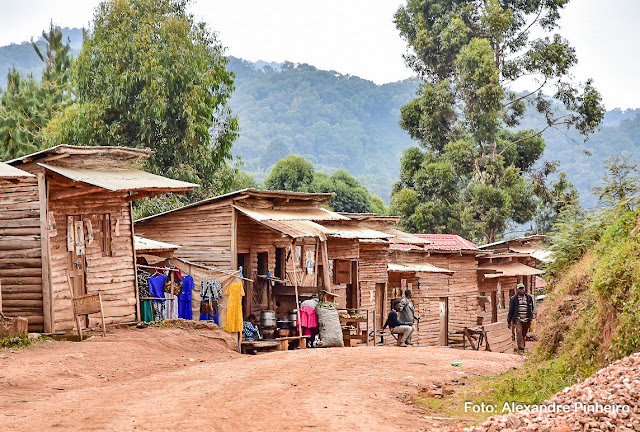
{"x": 160, "y": 379}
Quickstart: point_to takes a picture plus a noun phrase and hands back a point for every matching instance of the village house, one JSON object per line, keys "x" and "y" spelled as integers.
{"x": 286, "y": 243}
{"x": 69, "y": 224}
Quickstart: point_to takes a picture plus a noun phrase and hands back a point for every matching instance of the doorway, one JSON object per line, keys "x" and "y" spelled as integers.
{"x": 352, "y": 288}
{"x": 76, "y": 259}
{"x": 494, "y": 307}
{"x": 443, "y": 337}
{"x": 381, "y": 291}
{"x": 278, "y": 271}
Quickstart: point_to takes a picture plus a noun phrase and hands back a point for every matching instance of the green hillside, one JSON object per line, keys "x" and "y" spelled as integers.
{"x": 345, "y": 122}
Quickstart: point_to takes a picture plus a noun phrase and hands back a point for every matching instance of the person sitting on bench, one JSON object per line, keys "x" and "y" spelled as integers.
{"x": 250, "y": 330}
{"x": 402, "y": 329}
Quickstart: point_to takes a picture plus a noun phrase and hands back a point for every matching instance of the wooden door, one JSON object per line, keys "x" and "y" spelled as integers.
{"x": 381, "y": 291}
{"x": 494, "y": 306}
{"x": 76, "y": 258}
{"x": 443, "y": 337}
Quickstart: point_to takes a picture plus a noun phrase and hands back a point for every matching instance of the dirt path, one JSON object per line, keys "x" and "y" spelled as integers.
{"x": 173, "y": 379}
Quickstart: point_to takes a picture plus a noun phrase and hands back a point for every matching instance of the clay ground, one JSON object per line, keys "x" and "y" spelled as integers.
{"x": 175, "y": 379}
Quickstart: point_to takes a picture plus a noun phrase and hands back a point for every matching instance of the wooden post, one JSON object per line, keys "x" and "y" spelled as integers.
{"x": 295, "y": 285}
{"x": 104, "y": 327}
{"x": 47, "y": 294}
{"x": 135, "y": 264}
{"x": 375, "y": 325}
{"x": 325, "y": 266}
{"x": 173, "y": 296}
{"x": 73, "y": 306}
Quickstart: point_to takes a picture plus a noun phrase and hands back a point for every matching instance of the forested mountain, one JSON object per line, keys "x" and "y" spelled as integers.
{"x": 344, "y": 122}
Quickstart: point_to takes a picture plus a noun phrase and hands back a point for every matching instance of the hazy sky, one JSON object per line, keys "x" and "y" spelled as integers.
{"x": 358, "y": 36}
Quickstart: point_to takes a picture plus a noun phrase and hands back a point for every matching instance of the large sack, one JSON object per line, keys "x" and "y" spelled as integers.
{"x": 329, "y": 326}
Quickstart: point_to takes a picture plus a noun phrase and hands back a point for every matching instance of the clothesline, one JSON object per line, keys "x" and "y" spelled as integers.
{"x": 158, "y": 268}
{"x": 213, "y": 269}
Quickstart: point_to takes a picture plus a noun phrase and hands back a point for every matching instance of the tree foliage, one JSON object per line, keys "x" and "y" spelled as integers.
{"x": 150, "y": 76}
{"x": 475, "y": 171}
{"x": 295, "y": 173}
{"x": 27, "y": 105}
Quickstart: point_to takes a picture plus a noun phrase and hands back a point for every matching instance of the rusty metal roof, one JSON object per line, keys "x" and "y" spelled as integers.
{"x": 451, "y": 242}
{"x": 418, "y": 267}
{"x": 508, "y": 269}
{"x": 346, "y": 232}
{"x": 7, "y": 171}
{"x": 120, "y": 179}
{"x": 147, "y": 245}
{"x": 124, "y": 153}
{"x": 296, "y": 228}
{"x": 309, "y": 214}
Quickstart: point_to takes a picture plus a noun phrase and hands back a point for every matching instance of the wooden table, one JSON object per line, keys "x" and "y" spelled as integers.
{"x": 259, "y": 346}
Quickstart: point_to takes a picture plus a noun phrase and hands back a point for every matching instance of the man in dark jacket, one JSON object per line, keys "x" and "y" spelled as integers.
{"x": 520, "y": 315}
{"x": 401, "y": 328}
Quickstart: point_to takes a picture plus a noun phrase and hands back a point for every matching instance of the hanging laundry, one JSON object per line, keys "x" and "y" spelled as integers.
{"x": 184, "y": 299}
{"x": 211, "y": 288}
{"x": 156, "y": 289}
{"x": 234, "y": 321}
{"x": 146, "y": 310}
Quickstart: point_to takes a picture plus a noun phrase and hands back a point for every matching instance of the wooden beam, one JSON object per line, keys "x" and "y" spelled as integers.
{"x": 135, "y": 271}
{"x": 76, "y": 193}
{"x": 295, "y": 285}
{"x": 47, "y": 291}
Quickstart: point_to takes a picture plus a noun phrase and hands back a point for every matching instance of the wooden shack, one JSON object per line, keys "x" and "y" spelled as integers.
{"x": 71, "y": 224}
{"x": 20, "y": 257}
{"x": 533, "y": 245}
{"x": 284, "y": 241}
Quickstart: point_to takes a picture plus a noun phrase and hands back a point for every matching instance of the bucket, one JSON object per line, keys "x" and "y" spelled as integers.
{"x": 268, "y": 319}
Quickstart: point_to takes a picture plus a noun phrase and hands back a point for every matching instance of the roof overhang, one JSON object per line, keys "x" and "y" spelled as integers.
{"x": 309, "y": 214}
{"x": 62, "y": 151}
{"x": 145, "y": 245}
{"x": 418, "y": 268}
{"x": 9, "y": 172}
{"x": 508, "y": 269}
{"x": 134, "y": 180}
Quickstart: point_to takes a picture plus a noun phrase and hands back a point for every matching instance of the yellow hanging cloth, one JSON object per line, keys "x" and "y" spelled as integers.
{"x": 233, "y": 322}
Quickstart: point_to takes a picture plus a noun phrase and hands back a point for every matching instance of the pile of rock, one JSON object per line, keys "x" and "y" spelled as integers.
{"x": 609, "y": 400}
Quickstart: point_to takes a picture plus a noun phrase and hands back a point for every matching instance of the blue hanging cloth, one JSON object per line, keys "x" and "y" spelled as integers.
{"x": 184, "y": 299}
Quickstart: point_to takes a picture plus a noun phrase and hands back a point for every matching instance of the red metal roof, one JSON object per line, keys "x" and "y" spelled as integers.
{"x": 446, "y": 242}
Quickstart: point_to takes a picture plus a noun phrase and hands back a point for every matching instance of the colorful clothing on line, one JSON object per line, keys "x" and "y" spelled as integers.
{"x": 185, "y": 309}
{"x": 211, "y": 288}
{"x": 234, "y": 322}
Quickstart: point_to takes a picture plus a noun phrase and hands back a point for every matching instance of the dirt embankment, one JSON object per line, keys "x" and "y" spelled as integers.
{"x": 176, "y": 379}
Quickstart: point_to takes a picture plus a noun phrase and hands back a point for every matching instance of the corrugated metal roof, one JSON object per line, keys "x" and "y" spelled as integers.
{"x": 309, "y": 214}
{"x": 535, "y": 237}
{"x": 509, "y": 269}
{"x": 418, "y": 267}
{"x": 346, "y": 232}
{"x": 7, "y": 171}
{"x": 120, "y": 179}
{"x": 540, "y": 254}
{"x": 296, "y": 228}
{"x": 405, "y": 247}
{"x": 144, "y": 244}
{"x": 122, "y": 152}
{"x": 447, "y": 242}
{"x": 402, "y": 237}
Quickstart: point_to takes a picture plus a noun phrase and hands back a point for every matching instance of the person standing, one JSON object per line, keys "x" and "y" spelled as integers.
{"x": 520, "y": 315}
{"x": 407, "y": 312}
{"x": 402, "y": 328}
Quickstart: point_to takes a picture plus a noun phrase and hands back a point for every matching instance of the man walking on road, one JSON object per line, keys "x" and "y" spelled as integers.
{"x": 401, "y": 328}
{"x": 520, "y": 315}
{"x": 407, "y": 312}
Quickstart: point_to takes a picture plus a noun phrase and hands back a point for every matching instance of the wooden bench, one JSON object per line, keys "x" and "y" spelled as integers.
{"x": 385, "y": 332}
{"x": 284, "y": 342}
{"x": 263, "y": 345}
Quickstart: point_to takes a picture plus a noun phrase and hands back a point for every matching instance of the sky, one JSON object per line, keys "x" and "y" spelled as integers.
{"x": 358, "y": 37}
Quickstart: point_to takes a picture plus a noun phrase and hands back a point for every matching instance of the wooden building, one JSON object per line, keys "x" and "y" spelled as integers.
{"x": 284, "y": 241}
{"x": 443, "y": 281}
{"x": 71, "y": 224}
{"x": 534, "y": 245}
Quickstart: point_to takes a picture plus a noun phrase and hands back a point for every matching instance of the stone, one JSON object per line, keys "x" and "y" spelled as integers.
{"x": 13, "y": 327}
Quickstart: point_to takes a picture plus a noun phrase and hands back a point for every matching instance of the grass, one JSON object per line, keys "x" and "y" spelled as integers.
{"x": 530, "y": 384}
{"x": 21, "y": 342}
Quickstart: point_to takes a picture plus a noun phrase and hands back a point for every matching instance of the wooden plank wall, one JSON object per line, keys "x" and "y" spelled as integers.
{"x": 204, "y": 232}
{"x": 346, "y": 249}
{"x": 372, "y": 269}
{"x": 20, "y": 251}
{"x": 113, "y": 276}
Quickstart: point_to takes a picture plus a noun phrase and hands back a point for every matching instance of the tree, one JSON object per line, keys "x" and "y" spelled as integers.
{"x": 150, "y": 76}
{"x": 475, "y": 169}
{"x": 293, "y": 173}
{"x": 26, "y": 106}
